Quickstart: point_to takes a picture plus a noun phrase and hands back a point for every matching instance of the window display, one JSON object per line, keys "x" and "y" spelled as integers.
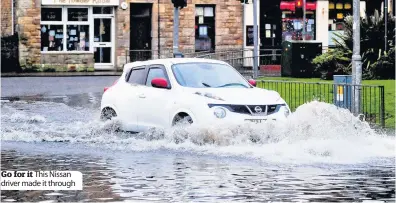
{"x": 292, "y": 20}
{"x": 52, "y": 38}
{"x": 77, "y": 38}
{"x": 60, "y": 32}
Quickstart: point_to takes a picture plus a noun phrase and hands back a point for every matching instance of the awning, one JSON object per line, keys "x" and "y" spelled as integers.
{"x": 311, "y": 6}
{"x": 291, "y": 6}
{"x": 288, "y": 5}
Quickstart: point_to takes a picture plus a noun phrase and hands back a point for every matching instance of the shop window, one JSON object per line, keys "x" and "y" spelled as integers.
{"x": 338, "y": 10}
{"x": 65, "y": 29}
{"x": 78, "y": 38}
{"x": 204, "y": 28}
{"x": 293, "y": 22}
{"x": 102, "y": 10}
{"x": 51, "y": 37}
{"x": 51, "y": 14}
{"x": 77, "y": 14}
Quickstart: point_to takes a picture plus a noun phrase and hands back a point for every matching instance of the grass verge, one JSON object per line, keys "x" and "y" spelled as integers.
{"x": 297, "y": 94}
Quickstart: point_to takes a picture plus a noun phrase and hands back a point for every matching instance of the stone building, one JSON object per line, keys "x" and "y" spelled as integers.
{"x": 7, "y": 15}
{"x": 64, "y": 35}
{"x": 80, "y": 35}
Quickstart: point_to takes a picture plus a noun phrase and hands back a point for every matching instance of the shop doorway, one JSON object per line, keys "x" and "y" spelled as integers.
{"x": 104, "y": 35}
{"x": 140, "y": 32}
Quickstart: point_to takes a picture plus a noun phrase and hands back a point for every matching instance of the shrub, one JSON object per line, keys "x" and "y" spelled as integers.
{"x": 376, "y": 62}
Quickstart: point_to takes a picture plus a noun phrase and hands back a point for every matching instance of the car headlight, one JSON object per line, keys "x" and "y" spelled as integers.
{"x": 285, "y": 110}
{"x": 219, "y": 112}
{"x": 209, "y": 95}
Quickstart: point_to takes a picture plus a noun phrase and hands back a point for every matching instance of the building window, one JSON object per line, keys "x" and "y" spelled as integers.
{"x": 102, "y": 10}
{"x": 78, "y": 39}
{"x": 338, "y": 10}
{"x": 77, "y": 14}
{"x": 204, "y": 28}
{"x": 293, "y": 21}
{"x": 65, "y": 29}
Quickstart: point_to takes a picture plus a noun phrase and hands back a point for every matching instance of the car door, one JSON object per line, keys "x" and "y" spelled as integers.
{"x": 154, "y": 103}
{"x": 129, "y": 102}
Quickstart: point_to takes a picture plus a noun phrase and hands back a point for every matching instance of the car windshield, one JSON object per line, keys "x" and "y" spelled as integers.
{"x": 208, "y": 75}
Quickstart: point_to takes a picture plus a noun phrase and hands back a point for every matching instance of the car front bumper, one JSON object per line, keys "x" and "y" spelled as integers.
{"x": 208, "y": 117}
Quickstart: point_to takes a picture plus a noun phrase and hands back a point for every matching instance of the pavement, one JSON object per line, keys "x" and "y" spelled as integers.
{"x": 53, "y": 86}
{"x": 62, "y": 74}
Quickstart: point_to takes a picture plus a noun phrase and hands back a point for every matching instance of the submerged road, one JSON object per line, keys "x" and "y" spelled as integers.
{"x": 52, "y": 124}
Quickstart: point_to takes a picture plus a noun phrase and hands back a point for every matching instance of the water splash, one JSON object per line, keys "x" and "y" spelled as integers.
{"x": 315, "y": 132}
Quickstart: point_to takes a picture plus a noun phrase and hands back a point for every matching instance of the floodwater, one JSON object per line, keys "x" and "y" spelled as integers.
{"x": 321, "y": 153}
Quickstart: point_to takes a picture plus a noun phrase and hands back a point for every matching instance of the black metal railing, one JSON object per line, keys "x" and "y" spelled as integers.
{"x": 241, "y": 59}
{"x": 148, "y": 54}
{"x": 295, "y": 93}
{"x": 268, "y": 65}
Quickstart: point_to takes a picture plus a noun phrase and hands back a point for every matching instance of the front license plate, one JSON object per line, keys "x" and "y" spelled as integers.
{"x": 256, "y": 120}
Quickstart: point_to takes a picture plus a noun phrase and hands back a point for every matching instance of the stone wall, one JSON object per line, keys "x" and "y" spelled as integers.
{"x": 6, "y": 17}
{"x": 68, "y": 61}
{"x": 28, "y": 19}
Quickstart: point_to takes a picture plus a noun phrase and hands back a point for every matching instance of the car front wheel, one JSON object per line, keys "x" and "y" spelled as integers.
{"x": 182, "y": 120}
{"x": 108, "y": 114}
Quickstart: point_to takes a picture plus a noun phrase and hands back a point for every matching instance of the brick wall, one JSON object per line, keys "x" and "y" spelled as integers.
{"x": 6, "y": 17}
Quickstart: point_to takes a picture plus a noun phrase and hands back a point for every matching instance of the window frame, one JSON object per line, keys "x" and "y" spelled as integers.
{"x": 142, "y": 82}
{"x": 210, "y": 35}
{"x": 65, "y": 23}
{"x": 162, "y": 67}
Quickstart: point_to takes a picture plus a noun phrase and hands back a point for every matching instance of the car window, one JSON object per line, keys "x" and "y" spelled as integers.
{"x": 155, "y": 73}
{"x": 208, "y": 75}
{"x": 137, "y": 76}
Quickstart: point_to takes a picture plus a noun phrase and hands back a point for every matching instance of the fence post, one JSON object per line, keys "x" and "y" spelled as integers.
{"x": 382, "y": 110}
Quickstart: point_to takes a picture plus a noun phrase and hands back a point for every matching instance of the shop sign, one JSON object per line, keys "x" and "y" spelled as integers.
{"x": 82, "y": 2}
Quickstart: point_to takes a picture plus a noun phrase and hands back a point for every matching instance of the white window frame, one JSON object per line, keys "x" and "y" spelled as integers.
{"x": 111, "y": 16}
{"x": 65, "y": 22}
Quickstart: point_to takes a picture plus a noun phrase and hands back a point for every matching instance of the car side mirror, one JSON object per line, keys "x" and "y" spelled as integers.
{"x": 252, "y": 82}
{"x": 159, "y": 83}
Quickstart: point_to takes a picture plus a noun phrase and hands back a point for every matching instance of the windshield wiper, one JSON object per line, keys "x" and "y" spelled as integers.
{"x": 232, "y": 84}
{"x": 206, "y": 85}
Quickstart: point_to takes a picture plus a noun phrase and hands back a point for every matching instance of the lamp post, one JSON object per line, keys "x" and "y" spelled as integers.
{"x": 158, "y": 28}
{"x": 386, "y": 23}
{"x": 356, "y": 58}
{"x": 178, "y": 4}
{"x": 304, "y": 20}
{"x": 255, "y": 40}
{"x": 175, "y": 30}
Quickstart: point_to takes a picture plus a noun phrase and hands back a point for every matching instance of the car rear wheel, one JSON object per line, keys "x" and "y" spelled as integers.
{"x": 108, "y": 114}
{"x": 182, "y": 119}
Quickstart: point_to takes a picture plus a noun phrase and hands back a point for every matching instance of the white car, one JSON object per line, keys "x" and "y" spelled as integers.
{"x": 162, "y": 93}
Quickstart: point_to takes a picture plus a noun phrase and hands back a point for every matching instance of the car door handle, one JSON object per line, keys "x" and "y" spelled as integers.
{"x": 142, "y": 96}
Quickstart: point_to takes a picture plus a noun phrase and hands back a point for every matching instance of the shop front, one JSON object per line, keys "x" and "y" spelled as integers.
{"x": 283, "y": 20}
{"x": 79, "y": 32}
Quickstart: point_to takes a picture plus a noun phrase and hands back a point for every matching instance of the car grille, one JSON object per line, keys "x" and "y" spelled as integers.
{"x": 239, "y": 109}
{"x": 250, "y": 109}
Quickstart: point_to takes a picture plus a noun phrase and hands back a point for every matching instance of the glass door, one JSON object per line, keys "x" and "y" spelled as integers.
{"x": 104, "y": 42}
